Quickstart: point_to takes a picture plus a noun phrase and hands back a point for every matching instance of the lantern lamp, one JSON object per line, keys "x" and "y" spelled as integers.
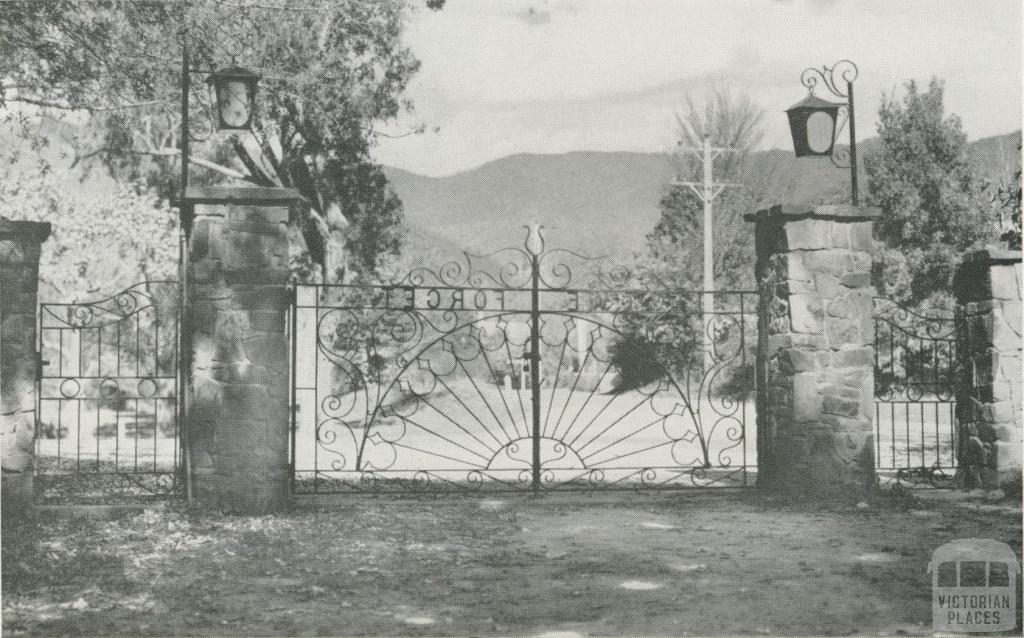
{"x": 233, "y": 94}
{"x": 812, "y": 122}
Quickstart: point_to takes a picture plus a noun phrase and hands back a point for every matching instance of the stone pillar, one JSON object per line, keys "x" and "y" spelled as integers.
{"x": 815, "y": 349}
{"x": 20, "y": 243}
{"x": 989, "y": 343}
{"x": 237, "y": 409}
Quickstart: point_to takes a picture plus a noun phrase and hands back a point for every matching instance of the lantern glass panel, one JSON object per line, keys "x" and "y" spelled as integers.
{"x": 234, "y": 102}
{"x": 820, "y": 131}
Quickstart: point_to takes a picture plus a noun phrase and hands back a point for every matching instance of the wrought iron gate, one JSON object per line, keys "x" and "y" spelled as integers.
{"x": 107, "y": 418}
{"x": 915, "y": 404}
{"x": 511, "y": 372}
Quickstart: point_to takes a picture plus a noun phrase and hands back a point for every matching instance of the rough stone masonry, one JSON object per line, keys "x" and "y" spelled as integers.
{"x": 989, "y": 347}
{"x": 20, "y": 244}
{"x": 817, "y": 338}
{"x": 237, "y": 305}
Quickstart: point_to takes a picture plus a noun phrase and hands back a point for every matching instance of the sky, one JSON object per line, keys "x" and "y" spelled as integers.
{"x": 500, "y": 77}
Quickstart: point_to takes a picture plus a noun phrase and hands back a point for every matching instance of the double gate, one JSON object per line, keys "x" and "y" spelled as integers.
{"x": 525, "y": 369}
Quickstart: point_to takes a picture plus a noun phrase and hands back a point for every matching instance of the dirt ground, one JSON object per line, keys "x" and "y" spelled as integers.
{"x": 712, "y": 562}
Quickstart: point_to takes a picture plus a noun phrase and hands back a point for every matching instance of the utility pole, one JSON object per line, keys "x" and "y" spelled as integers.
{"x": 707, "y": 191}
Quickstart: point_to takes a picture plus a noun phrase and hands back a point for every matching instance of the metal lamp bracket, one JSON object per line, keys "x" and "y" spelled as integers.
{"x": 840, "y": 157}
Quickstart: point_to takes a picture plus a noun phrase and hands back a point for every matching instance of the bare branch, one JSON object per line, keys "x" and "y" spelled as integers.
{"x": 170, "y": 152}
{"x": 249, "y": 151}
{"x": 376, "y": 133}
{"x": 85, "y": 107}
{"x": 223, "y": 170}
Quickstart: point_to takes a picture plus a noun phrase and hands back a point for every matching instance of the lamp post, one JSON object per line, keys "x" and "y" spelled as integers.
{"x": 232, "y": 108}
{"x": 233, "y": 99}
{"x": 815, "y": 124}
{"x": 184, "y": 228}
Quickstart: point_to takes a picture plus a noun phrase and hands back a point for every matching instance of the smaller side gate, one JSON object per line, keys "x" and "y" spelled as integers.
{"x": 107, "y": 414}
{"x": 915, "y": 400}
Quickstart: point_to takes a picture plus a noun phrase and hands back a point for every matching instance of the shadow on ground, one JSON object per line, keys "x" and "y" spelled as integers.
{"x": 725, "y": 562}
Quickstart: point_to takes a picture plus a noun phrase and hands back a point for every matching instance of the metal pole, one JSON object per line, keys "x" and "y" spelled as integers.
{"x": 763, "y": 423}
{"x": 184, "y": 116}
{"x": 293, "y": 392}
{"x": 853, "y": 146}
{"x": 709, "y": 258}
{"x": 184, "y": 353}
{"x": 535, "y": 367}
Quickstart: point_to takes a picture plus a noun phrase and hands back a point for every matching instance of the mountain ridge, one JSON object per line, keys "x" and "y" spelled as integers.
{"x": 606, "y": 202}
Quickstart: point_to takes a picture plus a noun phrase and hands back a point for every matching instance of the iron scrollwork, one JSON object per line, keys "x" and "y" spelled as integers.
{"x": 827, "y": 76}
{"x": 917, "y": 365}
{"x": 425, "y": 382}
{"x": 836, "y": 79}
{"x": 935, "y": 477}
{"x": 108, "y": 395}
{"x": 915, "y": 353}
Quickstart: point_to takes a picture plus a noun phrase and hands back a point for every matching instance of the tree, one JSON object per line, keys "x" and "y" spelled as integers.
{"x": 674, "y": 257}
{"x": 674, "y": 245}
{"x": 732, "y": 122}
{"x": 1008, "y": 200}
{"x": 137, "y": 232}
{"x": 332, "y": 73}
{"x": 930, "y": 197}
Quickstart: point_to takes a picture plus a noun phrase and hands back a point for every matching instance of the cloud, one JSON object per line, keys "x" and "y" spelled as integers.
{"x": 818, "y": 4}
{"x": 501, "y": 78}
{"x": 744, "y": 56}
{"x": 534, "y": 18}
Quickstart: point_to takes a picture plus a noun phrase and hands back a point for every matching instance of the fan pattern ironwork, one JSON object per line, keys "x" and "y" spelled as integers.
{"x": 528, "y": 368}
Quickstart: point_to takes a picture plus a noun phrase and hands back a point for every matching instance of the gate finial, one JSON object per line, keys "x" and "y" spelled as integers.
{"x": 534, "y": 240}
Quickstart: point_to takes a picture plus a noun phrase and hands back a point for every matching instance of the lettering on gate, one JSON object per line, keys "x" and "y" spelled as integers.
{"x": 443, "y": 298}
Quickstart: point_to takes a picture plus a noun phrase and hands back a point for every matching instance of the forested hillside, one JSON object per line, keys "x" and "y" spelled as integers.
{"x": 606, "y": 203}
